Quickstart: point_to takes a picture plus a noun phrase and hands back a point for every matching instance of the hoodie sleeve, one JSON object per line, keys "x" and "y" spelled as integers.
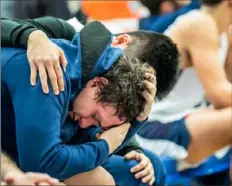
{"x": 38, "y": 121}
{"x": 14, "y": 33}
{"x": 132, "y": 145}
{"x": 135, "y": 127}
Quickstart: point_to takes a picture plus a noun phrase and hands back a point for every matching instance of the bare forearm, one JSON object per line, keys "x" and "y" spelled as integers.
{"x": 228, "y": 65}
{"x": 8, "y": 166}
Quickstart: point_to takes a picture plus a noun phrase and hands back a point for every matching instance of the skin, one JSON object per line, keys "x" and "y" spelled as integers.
{"x": 49, "y": 60}
{"x": 12, "y": 175}
{"x": 89, "y": 112}
{"x": 198, "y": 37}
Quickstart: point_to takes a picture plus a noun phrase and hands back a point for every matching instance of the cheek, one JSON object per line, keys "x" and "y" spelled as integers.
{"x": 112, "y": 121}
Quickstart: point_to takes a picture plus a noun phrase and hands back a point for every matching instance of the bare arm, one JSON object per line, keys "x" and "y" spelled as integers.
{"x": 8, "y": 166}
{"x": 12, "y": 175}
{"x": 228, "y": 65}
{"x": 203, "y": 47}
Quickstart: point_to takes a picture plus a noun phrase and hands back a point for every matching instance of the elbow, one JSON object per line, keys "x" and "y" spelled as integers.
{"x": 221, "y": 99}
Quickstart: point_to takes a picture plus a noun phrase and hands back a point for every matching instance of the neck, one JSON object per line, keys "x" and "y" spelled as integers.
{"x": 222, "y": 22}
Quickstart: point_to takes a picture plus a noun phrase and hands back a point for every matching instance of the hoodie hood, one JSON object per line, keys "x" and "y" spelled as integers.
{"x": 97, "y": 54}
{"x": 89, "y": 55}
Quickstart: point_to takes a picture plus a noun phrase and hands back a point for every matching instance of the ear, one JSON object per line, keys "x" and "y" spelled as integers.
{"x": 122, "y": 41}
{"x": 95, "y": 81}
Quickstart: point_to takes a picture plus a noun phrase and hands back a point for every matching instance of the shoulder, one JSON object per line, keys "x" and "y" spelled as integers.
{"x": 195, "y": 27}
{"x": 201, "y": 28}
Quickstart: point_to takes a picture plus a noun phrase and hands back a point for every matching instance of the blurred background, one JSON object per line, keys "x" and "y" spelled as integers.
{"x": 126, "y": 16}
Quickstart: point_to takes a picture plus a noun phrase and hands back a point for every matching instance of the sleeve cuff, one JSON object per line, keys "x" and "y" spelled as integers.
{"x": 23, "y": 39}
{"x": 104, "y": 146}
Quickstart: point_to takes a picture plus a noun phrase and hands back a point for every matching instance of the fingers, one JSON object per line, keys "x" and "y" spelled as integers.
{"x": 152, "y": 181}
{"x": 63, "y": 60}
{"x": 55, "y": 74}
{"x": 47, "y": 61}
{"x": 140, "y": 166}
{"x": 42, "y": 178}
{"x": 52, "y": 77}
{"x": 98, "y": 135}
{"x": 143, "y": 173}
{"x": 148, "y": 94}
{"x": 150, "y": 77}
{"x": 130, "y": 155}
{"x": 148, "y": 178}
{"x": 59, "y": 75}
{"x": 149, "y": 99}
{"x": 151, "y": 87}
{"x": 43, "y": 78}
{"x": 33, "y": 73}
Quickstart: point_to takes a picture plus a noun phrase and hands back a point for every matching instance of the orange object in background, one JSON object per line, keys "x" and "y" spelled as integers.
{"x": 105, "y": 10}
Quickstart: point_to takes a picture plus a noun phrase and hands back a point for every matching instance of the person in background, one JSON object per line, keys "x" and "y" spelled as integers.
{"x": 196, "y": 116}
{"x": 164, "y": 12}
{"x": 25, "y": 9}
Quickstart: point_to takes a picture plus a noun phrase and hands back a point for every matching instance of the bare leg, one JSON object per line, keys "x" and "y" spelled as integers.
{"x": 210, "y": 130}
{"x": 98, "y": 176}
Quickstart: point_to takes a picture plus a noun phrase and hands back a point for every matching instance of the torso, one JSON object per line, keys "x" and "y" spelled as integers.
{"x": 188, "y": 92}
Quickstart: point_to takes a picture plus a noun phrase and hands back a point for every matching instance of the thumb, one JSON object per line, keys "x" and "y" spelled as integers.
{"x": 98, "y": 135}
{"x": 130, "y": 155}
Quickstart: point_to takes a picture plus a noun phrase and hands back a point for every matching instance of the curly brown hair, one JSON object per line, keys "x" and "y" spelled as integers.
{"x": 125, "y": 87}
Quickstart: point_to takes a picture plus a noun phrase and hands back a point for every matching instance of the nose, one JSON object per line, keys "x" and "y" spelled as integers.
{"x": 86, "y": 122}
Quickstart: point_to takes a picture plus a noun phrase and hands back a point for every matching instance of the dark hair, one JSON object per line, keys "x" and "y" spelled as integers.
{"x": 211, "y": 2}
{"x": 161, "y": 53}
{"x": 125, "y": 87}
{"x": 155, "y": 5}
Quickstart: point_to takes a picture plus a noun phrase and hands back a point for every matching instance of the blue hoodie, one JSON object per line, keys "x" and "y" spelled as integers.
{"x": 35, "y": 128}
{"x": 162, "y": 22}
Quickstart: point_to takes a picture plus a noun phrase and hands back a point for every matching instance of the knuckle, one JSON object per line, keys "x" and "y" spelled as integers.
{"x": 57, "y": 67}
{"x": 32, "y": 60}
{"x": 54, "y": 58}
{"x": 47, "y": 59}
{"x": 43, "y": 77}
{"x": 49, "y": 64}
{"x": 38, "y": 58}
{"x": 53, "y": 78}
{"x": 59, "y": 76}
